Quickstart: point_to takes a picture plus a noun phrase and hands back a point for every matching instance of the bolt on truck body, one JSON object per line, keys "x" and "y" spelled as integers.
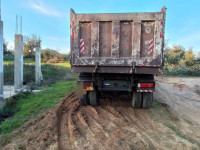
{"x": 117, "y": 54}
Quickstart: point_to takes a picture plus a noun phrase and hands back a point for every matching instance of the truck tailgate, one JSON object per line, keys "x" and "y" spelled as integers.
{"x": 117, "y": 43}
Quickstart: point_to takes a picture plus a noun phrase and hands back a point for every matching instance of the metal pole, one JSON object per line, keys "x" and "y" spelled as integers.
{"x": 38, "y": 72}
{"x": 18, "y": 67}
{"x": 0, "y": 9}
{"x": 21, "y": 26}
{"x": 16, "y": 24}
{"x": 2, "y": 102}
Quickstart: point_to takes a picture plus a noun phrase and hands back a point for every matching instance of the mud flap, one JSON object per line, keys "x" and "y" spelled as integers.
{"x": 147, "y": 100}
{"x": 84, "y": 100}
{"x": 137, "y": 100}
{"x": 93, "y": 98}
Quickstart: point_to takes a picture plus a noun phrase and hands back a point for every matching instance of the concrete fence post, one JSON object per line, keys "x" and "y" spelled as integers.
{"x": 38, "y": 71}
{"x": 2, "y": 103}
{"x": 18, "y": 71}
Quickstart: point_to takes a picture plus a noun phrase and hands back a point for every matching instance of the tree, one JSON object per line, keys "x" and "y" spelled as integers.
{"x": 30, "y": 42}
{"x": 50, "y": 55}
{"x": 189, "y": 57}
{"x": 67, "y": 57}
{"x": 174, "y": 55}
{"x": 198, "y": 55}
{"x": 5, "y": 45}
{"x": 7, "y": 54}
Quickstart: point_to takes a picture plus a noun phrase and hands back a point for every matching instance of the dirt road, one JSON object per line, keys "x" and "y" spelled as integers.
{"x": 115, "y": 125}
{"x": 182, "y": 95}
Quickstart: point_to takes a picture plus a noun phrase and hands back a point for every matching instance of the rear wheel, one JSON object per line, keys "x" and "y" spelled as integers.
{"x": 147, "y": 100}
{"x": 84, "y": 100}
{"x": 93, "y": 98}
{"x": 137, "y": 100}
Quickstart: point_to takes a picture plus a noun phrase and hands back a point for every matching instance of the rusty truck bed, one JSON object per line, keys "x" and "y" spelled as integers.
{"x": 117, "y": 43}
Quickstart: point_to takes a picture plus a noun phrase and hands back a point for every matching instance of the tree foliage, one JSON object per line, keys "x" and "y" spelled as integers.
{"x": 7, "y": 54}
{"x": 50, "y": 55}
{"x": 174, "y": 55}
{"x": 198, "y": 55}
{"x": 5, "y": 45}
{"x": 30, "y": 43}
{"x": 189, "y": 57}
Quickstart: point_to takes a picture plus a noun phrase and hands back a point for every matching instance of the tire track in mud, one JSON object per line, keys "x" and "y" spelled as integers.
{"x": 113, "y": 125}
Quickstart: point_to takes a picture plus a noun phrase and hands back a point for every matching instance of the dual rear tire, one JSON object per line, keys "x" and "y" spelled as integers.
{"x": 91, "y": 98}
{"x": 142, "y": 100}
{"x": 139, "y": 100}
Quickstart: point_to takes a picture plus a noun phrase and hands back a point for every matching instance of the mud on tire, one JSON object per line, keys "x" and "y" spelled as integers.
{"x": 137, "y": 100}
{"x": 84, "y": 100}
{"x": 93, "y": 98}
{"x": 147, "y": 100}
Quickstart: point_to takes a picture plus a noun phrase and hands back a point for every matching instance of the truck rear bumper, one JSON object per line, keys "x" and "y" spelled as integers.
{"x": 114, "y": 69}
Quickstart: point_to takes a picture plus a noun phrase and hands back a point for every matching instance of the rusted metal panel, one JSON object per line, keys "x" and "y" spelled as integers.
{"x": 95, "y": 39}
{"x": 119, "y": 16}
{"x": 136, "y": 36}
{"x": 126, "y": 38}
{"x": 147, "y": 39}
{"x": 85, "y": 39}
{"x": 126, "y": 70}
{"x": 105, "y": 29}
{"x": 113, "y": 40}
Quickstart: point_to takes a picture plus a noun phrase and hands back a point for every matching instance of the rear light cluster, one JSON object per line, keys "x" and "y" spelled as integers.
{"x": 88, "y": 86}
{"x": 146, "y": 85}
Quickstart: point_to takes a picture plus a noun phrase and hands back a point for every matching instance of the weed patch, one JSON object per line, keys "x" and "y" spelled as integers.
{"x": 51, "y": 74}
{"x": 27, "y": 105}
{"x": 181, "y": 135}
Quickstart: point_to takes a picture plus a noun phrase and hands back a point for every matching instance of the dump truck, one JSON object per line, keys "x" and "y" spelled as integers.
{"x": 117, "y": 54}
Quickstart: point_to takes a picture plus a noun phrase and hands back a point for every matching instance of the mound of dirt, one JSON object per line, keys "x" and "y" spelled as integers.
{"x": 182, "y": 95}
{"x": 113, "y": 125}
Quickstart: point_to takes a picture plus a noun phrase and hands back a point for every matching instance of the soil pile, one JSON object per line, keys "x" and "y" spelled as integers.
{"x": 182, "y": 95}
{"x": 114, "y": 125}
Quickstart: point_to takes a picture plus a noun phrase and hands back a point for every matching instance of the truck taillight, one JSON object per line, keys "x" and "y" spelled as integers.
{"x": 145, "y": 85}
{"x": 88, "y": 86}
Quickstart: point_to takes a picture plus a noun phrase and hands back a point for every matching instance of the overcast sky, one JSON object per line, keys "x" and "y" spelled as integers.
{"x": 50, "y": 18}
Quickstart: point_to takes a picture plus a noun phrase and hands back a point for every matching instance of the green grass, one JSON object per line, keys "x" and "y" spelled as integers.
{"x": 181, "y": 135}
{"x": 7, "y": 62}
{"x": 193, "y": 71}
{"x": 65, "y": 65}
{"x": 28, "y": 105}
{"x": 158, "y": 108}
{"x": 26, "y": 61}
{"x": 51, "y": 74}
{"x": 30, "y": 62}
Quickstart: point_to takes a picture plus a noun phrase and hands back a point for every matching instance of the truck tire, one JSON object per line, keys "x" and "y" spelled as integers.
{"x": 93, "y": 98}
{"x": 137, "y": 100}
{"x": 147, "y": 100}
{"x": 84, "y": 100}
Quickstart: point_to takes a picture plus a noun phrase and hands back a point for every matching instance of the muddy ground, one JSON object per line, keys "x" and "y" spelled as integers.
{"x": 173, "y": 123}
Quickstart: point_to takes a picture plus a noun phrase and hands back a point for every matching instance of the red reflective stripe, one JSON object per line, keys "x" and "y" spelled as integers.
{"x": 81, "y": 42}
{"x": 150, "y": 48}
{"x": 82, "y": 47}
{"x": 150, "y": 43}
{"x": 72, "y": 34}
{"x": 160, "y": 35}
